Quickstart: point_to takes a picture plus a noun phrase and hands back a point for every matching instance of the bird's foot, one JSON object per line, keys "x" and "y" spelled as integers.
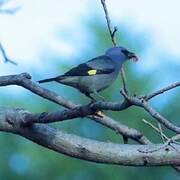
{"x": 99, "y": 113}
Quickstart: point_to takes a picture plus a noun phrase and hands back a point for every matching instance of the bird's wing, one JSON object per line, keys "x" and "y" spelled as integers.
{"x": 102, "y": 62}
{"x": 99, "y": 65}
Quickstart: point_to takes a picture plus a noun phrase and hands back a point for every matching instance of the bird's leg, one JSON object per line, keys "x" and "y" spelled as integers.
{"x": 99, "y": 113}
{"x": 101, "y": 98}
{"x": 89, "y": 96}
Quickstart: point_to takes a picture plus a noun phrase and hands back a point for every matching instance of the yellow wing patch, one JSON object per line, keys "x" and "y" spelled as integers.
{"x": 92, "y": 72}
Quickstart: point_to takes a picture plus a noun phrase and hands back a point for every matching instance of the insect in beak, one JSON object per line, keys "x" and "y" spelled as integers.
{"x": 132, "y": 56}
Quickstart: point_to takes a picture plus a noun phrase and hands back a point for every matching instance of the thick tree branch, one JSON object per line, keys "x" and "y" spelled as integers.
{"x": 61, "y": 115}
{"x": 100, "y": 152}
{"x": 24, "y": 80}
{"x": 13, "y": 121}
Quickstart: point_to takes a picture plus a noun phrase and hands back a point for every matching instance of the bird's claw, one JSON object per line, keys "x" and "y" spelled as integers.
{"x": 99, "y": 113}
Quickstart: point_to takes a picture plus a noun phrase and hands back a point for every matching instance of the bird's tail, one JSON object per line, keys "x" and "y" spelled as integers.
{"x": 47, "y": 80}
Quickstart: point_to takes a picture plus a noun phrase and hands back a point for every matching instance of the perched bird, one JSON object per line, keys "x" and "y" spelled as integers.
{"x": 96, "y": 74}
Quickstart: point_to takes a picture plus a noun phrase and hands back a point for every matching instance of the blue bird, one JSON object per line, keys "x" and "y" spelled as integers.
{"x": 96, "y": 74}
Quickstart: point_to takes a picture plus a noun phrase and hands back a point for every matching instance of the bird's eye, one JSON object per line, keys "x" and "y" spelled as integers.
{"x": 125, "y": 52}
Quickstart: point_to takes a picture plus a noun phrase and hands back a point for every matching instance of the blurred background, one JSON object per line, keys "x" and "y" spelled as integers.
{"x": 46, "y": 38}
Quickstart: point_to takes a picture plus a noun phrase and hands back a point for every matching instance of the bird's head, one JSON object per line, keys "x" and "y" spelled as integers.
{"x": 120, "y": 54}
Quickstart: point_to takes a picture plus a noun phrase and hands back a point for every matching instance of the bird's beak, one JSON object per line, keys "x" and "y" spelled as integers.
{"x": 132, "y": 56}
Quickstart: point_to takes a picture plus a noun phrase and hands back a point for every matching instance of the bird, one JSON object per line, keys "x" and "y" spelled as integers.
{"x": 97, "y": 73}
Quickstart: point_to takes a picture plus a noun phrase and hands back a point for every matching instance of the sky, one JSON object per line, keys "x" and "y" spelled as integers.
{"x": 34, "y": 27}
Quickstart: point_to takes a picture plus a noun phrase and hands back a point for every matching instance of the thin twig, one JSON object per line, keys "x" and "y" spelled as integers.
{"x": 155, "y": 128}
{"x": 175, "y": 138}
{"x": 161, "y": 132}
{"x": 161, "y": 119}
{"x": 112, "y": 32}
{"x": 161, "y": 91}
{"x": 6, "y": 59}
{"x": 124, "y": 80}
{"x": 87, "y": 149}
{"x": 9, "y": 11}
{"x": 141, "y": 102}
